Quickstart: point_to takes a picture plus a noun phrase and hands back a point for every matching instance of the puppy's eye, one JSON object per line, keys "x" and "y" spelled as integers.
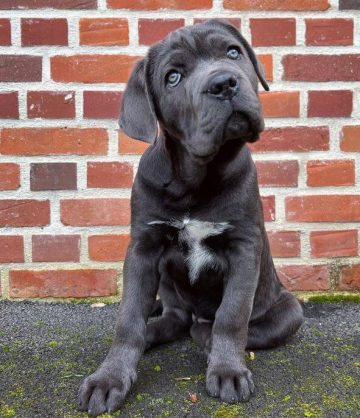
{"x": 173, "y": 78}
{"x": 233, "y": 52}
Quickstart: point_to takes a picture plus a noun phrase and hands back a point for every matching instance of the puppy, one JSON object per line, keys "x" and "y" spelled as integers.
{"x": 197, "y": 234}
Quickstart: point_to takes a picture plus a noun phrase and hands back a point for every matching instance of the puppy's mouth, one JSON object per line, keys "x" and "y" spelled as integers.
{"x": 204, "y": 158}
{"x": 239, "y": 126}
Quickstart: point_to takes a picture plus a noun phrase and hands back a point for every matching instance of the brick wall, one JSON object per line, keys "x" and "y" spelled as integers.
{"x": 66, "y": 171}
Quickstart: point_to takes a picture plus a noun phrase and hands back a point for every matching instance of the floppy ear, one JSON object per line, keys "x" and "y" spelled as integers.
{"x": 137, "y": 116}
{"x": 255, "y": 62}
{"x": 259, "y": 69}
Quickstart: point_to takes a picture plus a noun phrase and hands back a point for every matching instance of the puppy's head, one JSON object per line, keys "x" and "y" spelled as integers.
{"x": 200, "y": 84}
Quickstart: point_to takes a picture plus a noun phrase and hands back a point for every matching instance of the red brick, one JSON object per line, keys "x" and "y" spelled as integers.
{"x": 298, "y": 139}
{"x": 131, "y": 146}
{"x": 322, "y": 32}
{"x": 53, "y": 141}
{"x": 305, "y": 278}
{"x": 154, "y": 30}
{"x": 9, "y": 105}
{"x": 296, "y": 5}
{"x": 334, "y": 243}
{"x": 350, "y": 139}
{"x": 330, "y": 103}
{"x": 278, "y": 173}
{"x": 108, "y": 247}
{"x": 273, "y": 32}
{"x": 268, "y": 203}
{"x": 350, "y": 278}
{"x": 267, "y": 62}
{"x": 232, "y": 20}
{"x": 109, "y": 174}
{"x": 42, "y": 4}
{"x": 11, "y": 249}
{"x": 55, "y": 248}
{"x": 24, "y": 212}
{"x": 18, "y": 68}
{"x": 344, "y": 67}
{"x": 102, "y": 104}
{"x": 53, "y": 176}
{"x": 323, "y": 208}
{"x": 9, "y": 176}
{"x": 159, "y": 4}
{"x": 92, "y": 68}
{"x": 284, "y": 243}
{"x": 104, "y": 31}
{"x": 5, "y": 32}
{"x": 51, "y": 104}
{"x": 93, "y": 212}
{"x": 62, "y": 283}
{"x": 44, "y": 32}
{"x": 330, "y": 173}
{"x": 280, "y": 104}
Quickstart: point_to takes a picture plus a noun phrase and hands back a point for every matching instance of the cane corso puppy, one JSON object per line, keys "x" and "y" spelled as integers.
{"x": 197, "y": 233}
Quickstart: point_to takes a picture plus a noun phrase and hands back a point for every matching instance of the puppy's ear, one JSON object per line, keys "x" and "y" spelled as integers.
{"x": 255, "y": 62}
{"x": 137, "y": 116}
{"x": 259, "y": 69}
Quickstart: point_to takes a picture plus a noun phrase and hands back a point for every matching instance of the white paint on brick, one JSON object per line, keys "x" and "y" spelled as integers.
{"x": 25, "y": 168}
{"x": 15, "y": 32}
{"x": 305, "y": 246}
{"x": 84, "y": 248}
{"x": 4, "y": 281}
{"x": 303, "y": 103}
{"x": 79, "y": 105}
{"x": 82, "y": 174}
{"x": 113, "y": 145}
{"x": 134, "y": 36}
{"x": 28, "y": 248}
{"x": 217, "y": 7}
{"x": 102, "y": 5}
{"x": 356, "y": 102}
{"x": 73, "y": 32}
{"x": 300, "y": 32}
{"x": 22, "y": 94}
{"x": 357, "y": 30}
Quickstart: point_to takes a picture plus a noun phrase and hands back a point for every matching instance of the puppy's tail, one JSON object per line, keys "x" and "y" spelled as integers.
{"x": 157, "y": 308}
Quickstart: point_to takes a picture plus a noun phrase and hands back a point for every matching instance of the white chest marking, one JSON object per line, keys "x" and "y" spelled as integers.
{"x": 193, "y": 233}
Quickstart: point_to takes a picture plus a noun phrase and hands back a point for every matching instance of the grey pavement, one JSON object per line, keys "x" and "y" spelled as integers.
{"x": 47, "y": 348}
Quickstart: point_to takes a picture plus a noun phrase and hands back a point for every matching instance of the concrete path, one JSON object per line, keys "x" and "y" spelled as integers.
{"x": 46, "y": 350}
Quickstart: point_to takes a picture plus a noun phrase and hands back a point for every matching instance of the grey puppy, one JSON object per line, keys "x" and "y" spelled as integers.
{"x": 197, "y": 233}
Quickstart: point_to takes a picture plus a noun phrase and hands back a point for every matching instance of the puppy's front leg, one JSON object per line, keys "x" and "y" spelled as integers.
{"x": 227, "y": 375}
{"x": 106, "y": 389}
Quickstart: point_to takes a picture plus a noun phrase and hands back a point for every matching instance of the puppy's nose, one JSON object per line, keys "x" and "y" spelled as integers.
{"x": 223, "y": 86}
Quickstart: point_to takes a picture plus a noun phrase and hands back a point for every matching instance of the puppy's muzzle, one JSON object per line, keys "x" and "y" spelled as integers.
{"x": 223, "y": 86}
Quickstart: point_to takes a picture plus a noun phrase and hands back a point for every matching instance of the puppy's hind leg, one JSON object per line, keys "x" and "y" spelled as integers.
{"x": 281, "y": 321}
{"x": 174, "y": 322}
{"x": 201, "y": 334}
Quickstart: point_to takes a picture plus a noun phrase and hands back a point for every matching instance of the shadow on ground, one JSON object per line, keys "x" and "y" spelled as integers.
{"x": 46, "y": 350}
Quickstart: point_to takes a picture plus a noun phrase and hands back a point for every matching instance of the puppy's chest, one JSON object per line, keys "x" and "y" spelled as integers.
{"x": 192, "y": 238}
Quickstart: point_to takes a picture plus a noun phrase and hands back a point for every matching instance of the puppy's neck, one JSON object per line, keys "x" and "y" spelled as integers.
{"x": 192, "y": 173}
{"x": 185, "y": 169}
{"x": 168, "y": 170}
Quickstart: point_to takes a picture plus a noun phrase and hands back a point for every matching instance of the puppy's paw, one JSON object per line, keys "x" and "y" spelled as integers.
{"x": 229, "y": 383}
{"x": 105, "y": 390}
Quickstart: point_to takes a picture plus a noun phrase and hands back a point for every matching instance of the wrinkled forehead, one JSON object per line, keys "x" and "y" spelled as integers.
{"x": 202, "y": 41}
